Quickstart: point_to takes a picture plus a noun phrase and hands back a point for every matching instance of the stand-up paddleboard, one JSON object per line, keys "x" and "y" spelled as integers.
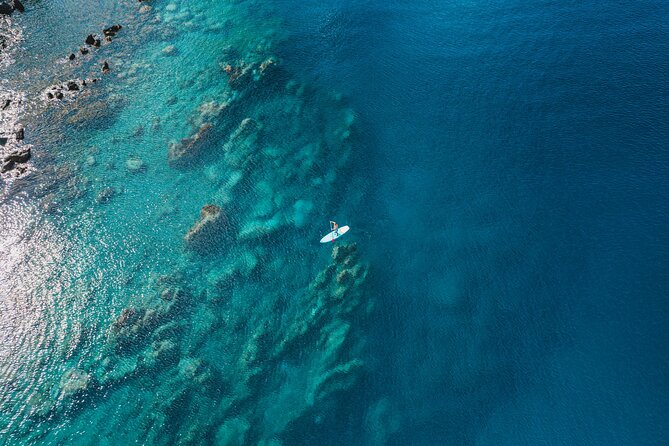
{"x": 334, "y": 235}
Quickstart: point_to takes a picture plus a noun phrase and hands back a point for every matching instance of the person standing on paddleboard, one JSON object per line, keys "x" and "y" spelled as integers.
{"x": 335, "y": 232}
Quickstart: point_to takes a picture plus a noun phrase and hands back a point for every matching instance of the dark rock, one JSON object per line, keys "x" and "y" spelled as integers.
{"x": 72, "y": 86}
{"x": 90, "y": 40}
{"x": 3, "y": 140}
{"x": 97, "y": 43}
{"x": 6, "y": 104}
{"x": 18, "y": 6}
{"x": 10, "y": 161}
{"x": 133, "y": 326}
{"x": 59, "y": 95}
{"x": 20, "y": 156}
{"x": 105, "y": 67}
{"x": 108, "y": 39}
{"x": 93, "y": 112}
{"x": 72, "y": 56}
{"x": 6, "y": 9}
{"x": 83, "y": 50}
{"x": 7, "y": 166}
{"x": 112, "y": 30}
{"x": 49, "y": 95}
{"x": 20, "y": 134}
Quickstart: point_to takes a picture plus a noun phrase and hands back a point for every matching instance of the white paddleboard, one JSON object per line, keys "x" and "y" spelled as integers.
{"x": 334, "y": 235}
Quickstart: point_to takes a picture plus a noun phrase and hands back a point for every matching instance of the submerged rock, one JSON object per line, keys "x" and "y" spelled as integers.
{"x": 267, "y": 66}
{"x": 233, "y": 432}
{"x": 92, "y": 112}
{"x": 210, "y": 230}
{"x": 198, "y": 371}
{"x": 73, "y": 382}
{"x": 241, "y": 144}
{"x": 179, "y": 153}
{"x": 160, "y": 353}
{"x": 133, "y": 326}
{"x": 169, "y": 50}
{"x": 105, "y": 195}
{"x": 239, "y": 77}
{"x": 135, "y": 164}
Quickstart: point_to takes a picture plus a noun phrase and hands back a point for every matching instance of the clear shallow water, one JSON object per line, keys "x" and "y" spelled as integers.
{"x": 514, "y": 158}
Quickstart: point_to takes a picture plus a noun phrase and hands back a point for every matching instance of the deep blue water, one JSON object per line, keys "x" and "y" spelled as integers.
{"x": 507, "y": 186}
{"x": 520, "y": 177}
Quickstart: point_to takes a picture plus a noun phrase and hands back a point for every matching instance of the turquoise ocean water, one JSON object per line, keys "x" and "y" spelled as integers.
{"x": 503, "y": 167}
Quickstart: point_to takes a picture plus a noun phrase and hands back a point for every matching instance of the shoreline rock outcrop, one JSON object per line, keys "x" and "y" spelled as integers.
{"x": 19, "y": 156}
{"x": 7, "y": 8}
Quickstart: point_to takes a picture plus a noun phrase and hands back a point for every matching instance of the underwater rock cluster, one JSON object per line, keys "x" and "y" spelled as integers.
{"x": 247, "y": 334}
{"x": 305, "y": 357}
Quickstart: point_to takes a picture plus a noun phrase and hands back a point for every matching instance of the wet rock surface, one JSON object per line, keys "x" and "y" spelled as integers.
{"x": 8, "y": 7}
{"x": 14, "y": 158}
